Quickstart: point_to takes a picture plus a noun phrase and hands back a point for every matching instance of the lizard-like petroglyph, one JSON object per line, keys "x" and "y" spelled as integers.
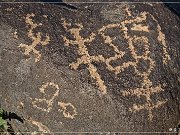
{"x": 82, "y": 50}
{"x": 35, "y": 37}
{"x": 137, "y": 23}
{"x": 48, "y": 103}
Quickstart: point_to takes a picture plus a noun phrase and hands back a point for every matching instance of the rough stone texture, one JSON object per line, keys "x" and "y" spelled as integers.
{"x": 127, "y": 78}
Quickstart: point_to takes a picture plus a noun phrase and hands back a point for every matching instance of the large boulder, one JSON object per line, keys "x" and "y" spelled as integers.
{"x": 90, "y": 67}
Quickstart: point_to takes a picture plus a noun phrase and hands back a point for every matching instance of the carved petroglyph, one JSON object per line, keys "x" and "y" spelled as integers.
{"x": 83, "y": 52}
{"x": 161, "y": 38}
{"x": 42, "y": 129}
{"x": 149, "y": 106}
{"x": 35, "y": 37}
{"x": 49, "y": 102}
{"x": 127, "y": 10}
{"x": 146, "y": 90}
{"x": 37, "y": 103}
{"x": 66, "y": 112}
{"x": 138, "y": 23}
{"x": 140, "y": 27}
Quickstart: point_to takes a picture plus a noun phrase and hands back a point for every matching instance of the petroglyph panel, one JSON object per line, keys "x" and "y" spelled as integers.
{"x": 126, "y": 50}
{"x": 46, "y": 103}
{"x": 133, "y": 25}
{"x": 35, "y": 37}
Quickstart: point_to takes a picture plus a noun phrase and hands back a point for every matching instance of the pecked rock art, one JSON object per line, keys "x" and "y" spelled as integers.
{"x": 138, "y": 24}
{"x": 112, "y": 67}
{"x": 50, "y": 101}
{"x": 65, "y": 111}
{"x": 146, "y": 89}
{"x": 35, "y": 37}
{"x": 42, "y": 129}
{"x": 86, "y": 58}
{"x": 46, "y": 103}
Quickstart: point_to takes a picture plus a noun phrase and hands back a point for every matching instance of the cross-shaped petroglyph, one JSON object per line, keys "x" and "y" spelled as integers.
{"x": 147, "y": 89}
{"x": 83, "y": 52}
{"x": 46, "y": 105}
{"x": 137, "y": 23}
{"x": 35, "y": 37}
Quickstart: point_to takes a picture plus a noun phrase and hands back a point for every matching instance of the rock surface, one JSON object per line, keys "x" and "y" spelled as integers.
{"x": 97, "y": 67}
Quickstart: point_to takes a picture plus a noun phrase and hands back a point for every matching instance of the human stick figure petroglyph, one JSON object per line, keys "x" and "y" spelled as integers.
{"x": 37, "y": 103}
{"x": 147, "y": 89}
{"x": 35, "y": 37}
{"x": 86, "y": 58}
{"x": 137, "y": 23}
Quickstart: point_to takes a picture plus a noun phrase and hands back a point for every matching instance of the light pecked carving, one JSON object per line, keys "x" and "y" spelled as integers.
{"x": 35, "y": 37}
{"x": 66, "y": 112}
{"x": 139, "y": 24}
{"x": 46, "y": 105}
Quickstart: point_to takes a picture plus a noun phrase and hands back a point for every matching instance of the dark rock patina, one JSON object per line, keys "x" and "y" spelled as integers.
{"x": 90, "y": 67}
